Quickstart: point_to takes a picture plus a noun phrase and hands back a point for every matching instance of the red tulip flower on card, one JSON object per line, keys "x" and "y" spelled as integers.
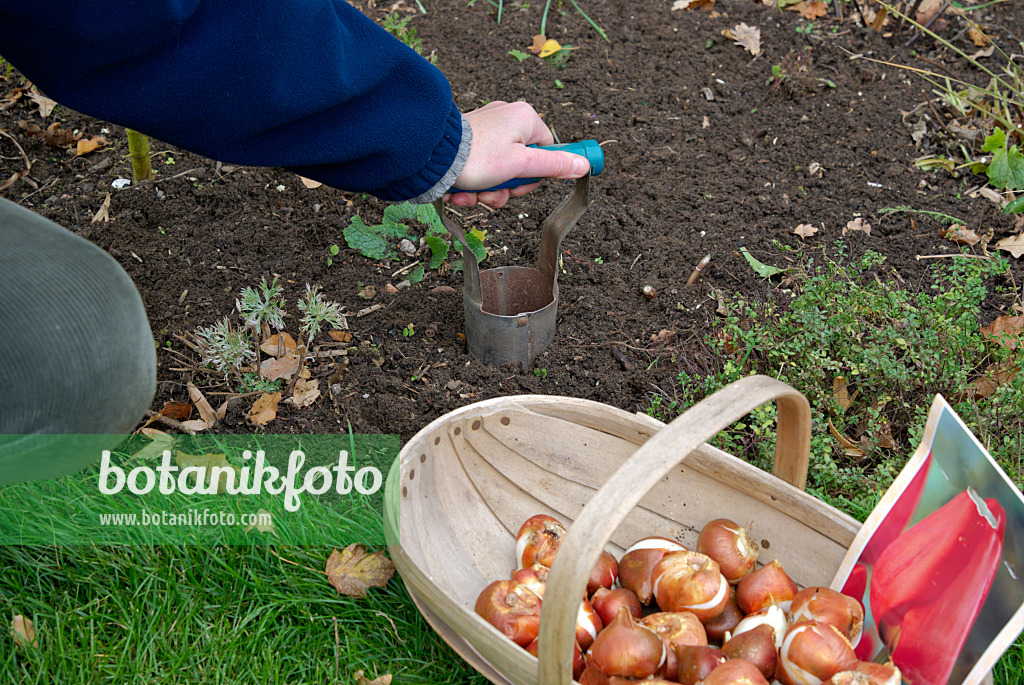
{"x": 929, "y": 584}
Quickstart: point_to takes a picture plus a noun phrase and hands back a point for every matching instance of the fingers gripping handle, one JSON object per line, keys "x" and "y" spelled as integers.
{"x": 584, "y": 148}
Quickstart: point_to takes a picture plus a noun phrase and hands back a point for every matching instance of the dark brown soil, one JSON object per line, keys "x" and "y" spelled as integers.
{"x": 686, "y": 175}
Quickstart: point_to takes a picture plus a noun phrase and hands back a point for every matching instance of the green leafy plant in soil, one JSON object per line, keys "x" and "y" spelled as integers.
{"x": 378, "y": 241}
{"x": 870, "y": 356}
{"x": 400, "y": 29}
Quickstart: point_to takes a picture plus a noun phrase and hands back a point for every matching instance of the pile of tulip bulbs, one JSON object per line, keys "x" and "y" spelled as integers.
{"x": 666, "y": 614}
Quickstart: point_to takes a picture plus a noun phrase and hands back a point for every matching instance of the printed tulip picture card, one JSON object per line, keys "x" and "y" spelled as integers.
{"x": 939, "y": 563}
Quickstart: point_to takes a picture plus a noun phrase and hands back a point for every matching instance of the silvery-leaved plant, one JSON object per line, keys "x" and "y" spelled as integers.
{"x": 316, "y": 311}
{"x": 224, "y": 348}
{"x": 259, "y": 307}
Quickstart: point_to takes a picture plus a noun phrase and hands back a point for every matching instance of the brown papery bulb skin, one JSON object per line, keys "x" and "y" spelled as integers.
{"x": 676, "y": 629}
{"x": 725, "y": 622}
{"x": 534, "y": 577}
{"x": 588, "y": 625}
{"x": 825, "y": 605}
{"x": 867, "y": 673}
{"x": 690, "y": 581}
{"x": 605, "y": 573}
{"x": 695, "y": 663}
{"x": 538, "y": 540}
{"x": 736, "y": 672}
{"x": 607, "y": 603}
{"x": 626, "y": 648}
{"x": 638, "y": 561}
{"x": 512, "y": 609}
{"x": 813, "y": 652}
{"x": 756, "y": 646}
{"x": 731, "y": 546}
{"x": 766, "y": 586}
{"x": 578, "y": 662}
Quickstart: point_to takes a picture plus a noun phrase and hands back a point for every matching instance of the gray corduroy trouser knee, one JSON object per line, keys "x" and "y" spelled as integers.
{"x": 77, "y": 359}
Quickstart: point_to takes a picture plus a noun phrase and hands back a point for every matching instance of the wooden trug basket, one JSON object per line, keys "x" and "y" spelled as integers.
{"x": 464, "y": 484}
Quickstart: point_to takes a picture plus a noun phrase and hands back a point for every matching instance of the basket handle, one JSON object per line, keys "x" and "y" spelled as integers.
{"x": 637, "y": 475}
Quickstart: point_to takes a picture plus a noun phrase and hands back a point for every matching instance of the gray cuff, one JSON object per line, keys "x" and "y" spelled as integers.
{"x": 458, "y": 164}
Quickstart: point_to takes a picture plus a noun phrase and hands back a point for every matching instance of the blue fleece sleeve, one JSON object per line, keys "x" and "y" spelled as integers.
{"x": 312, "y": 85}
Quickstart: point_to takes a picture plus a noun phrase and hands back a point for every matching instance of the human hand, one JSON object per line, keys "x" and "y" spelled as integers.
{"x": 499, "y": 152}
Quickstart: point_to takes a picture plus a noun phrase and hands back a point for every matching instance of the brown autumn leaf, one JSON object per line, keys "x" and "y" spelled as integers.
{"x": 179, "y": 411}
{"x": 857, "y": 224}
{"x": 538, "y": 43}
{"x": 264, "y": 409}
{"x": 202, "y": 404}
{"x": 352, "y": 571}
{"x": 990, "y": 380}
{"x": 23, "y": 632}
{"x": 1014, "y": 245}
{"x": 1005, "y": 330}
{"x": 361, "y": 679}
{"x": 206, "y": 463}
{"x": 44, "y": 103}
{"x": 84, "y": 147}
{"x": 805, "y": 230}
{"x": 279, "y": 344}
{"x": 310, "y": 183}
{"x": 749, "y": 37}
{"x": 978, "y": 37}
{"x": 693, "y": 5}
{"x": 850, "y": 448}
{"x": 306, "y": 392}
{"x": 841, "y": 392}
{"x": 280, "y": 367}
{"x": 53, "y": 135}
{"x": 340, "y": 336}
{"x": 960, "y": 235}
{"x": 810, "y": 9}
{"x": 663, "y": 337}
{"x": 103, "y": 213}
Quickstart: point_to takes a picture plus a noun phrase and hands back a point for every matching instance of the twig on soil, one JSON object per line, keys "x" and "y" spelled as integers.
{"x": 18, "y": 174}
{"x": 622, "y": 359}
{"x": 697, "y": 269}
{"x": 912, "y": 13}
{"x": 635, "y": 261}
{"x": 405, "y": 268}
{"x": 948, "y": 256}
{"x": 928, "y": 24}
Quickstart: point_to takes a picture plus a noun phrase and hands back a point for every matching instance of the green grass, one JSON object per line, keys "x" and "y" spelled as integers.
{"x": 220, "y": 615}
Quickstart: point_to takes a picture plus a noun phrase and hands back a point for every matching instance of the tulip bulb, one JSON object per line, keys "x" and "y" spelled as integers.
{"x": 726, "y": 622}
{"x": 607, "y": 603}
{"x": 828, "y": 606}
{"x": 773, "y": 616}
{"x": 534, "y": 578}
{"x": 813, "y": 652}
{"x": 756, "y": 646}
{"x": 736, "y": 672}
{"x": 512, "y": 609}
{"x": 538, "y": 540}
{"x": 578, "y": 662}
{"x": 766, "y": 586}
{"x": 588, "y": 625}
{"x": 628, "y": 649}
{"x": 695, "y": 662}
{"x": 636, "y": 565}
{"x": 605, "y": 573}
{"x": 867, "y": 673}
{"x": 730, "y": 546}
{"x": 675, "y": 629}
{"x": 690, "y": 581}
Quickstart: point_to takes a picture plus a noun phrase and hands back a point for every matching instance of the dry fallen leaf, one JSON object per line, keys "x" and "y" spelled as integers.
{"x": 989, "y": 381}
{"x": 841, "y": 392}
{"x": 352, "y": 571}
{"x": 279, "y": 344}
{"x": 692, "y": 5}
{"x": 205, "y": 409}
{"x": 960, "y": 235}
{"x": 361, "y": 679}
{"x": 280, "y": 367}
{"x": 54, "y": 136}
{"x": 44, "y": 103}
{"x": 663, "y": 337}
{"x": 306, "y": 392}
{"x": 310, "y": 183}
{"x": 340, "y": 336}
{"x": 810, "y": 9}
{"x": 179, "y": 411}
{"x": 850, "y": 448}
{"x": 550, "y": 47}
{"x": 264, "y": 409}
{"x": 805, "y": 230}
{"x": 857, "y": 224}
{"x": 103, "y": 213}
{"x": 977, "y": 37}
{"x": 747, "y": 36}
{"x": 538, "y": 43}
{"x": 262, "y": 525}
{"x": 1014, "y": 245}
{"x": 23, "y": 632}
{"x": 1005, "y": 330}
{"x": 84, "y": 147}
{"x": 206, "y": 463}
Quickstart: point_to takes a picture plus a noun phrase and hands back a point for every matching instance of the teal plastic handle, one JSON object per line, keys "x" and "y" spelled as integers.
{"x": 584, "y": 148}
